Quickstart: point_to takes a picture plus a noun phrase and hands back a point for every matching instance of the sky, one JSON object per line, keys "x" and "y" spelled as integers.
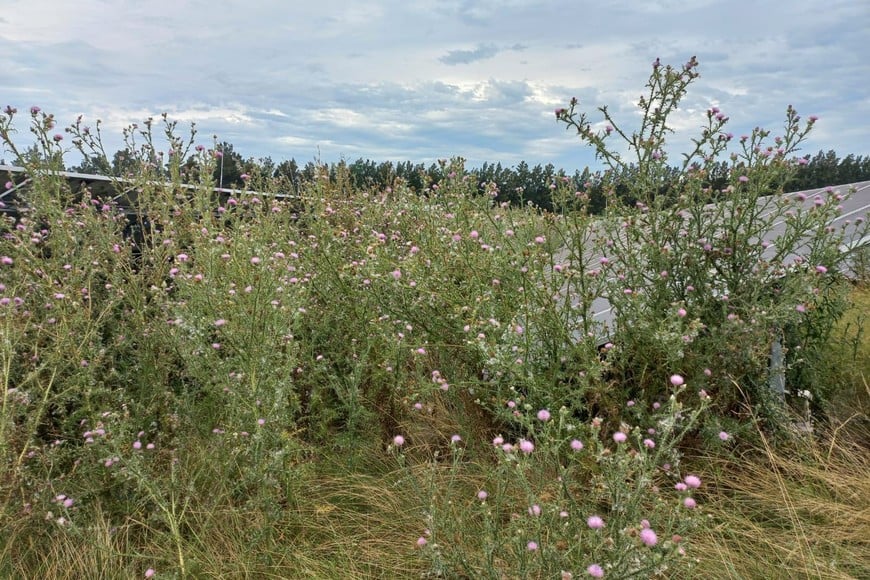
{"x": 396, "y": 80}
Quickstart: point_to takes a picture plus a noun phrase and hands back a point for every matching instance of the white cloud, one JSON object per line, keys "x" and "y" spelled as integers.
{"x": 370, "y": 80}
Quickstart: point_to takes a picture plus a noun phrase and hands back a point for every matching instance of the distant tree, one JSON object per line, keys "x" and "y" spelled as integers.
{"x": 825, "y": 169}
{"x": 124, "y": 162}
{"x": 229, "y": 167}
{"x": 93, "y": 165}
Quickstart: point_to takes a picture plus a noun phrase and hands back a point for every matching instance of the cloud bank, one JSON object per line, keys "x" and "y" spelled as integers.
{"x": 398, "y": 80}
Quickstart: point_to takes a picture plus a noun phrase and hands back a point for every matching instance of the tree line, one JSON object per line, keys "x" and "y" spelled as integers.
{"x": 518, "y": 184}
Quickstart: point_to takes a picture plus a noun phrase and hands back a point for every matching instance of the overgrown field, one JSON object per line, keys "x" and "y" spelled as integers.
{"x": 376, "y": 383}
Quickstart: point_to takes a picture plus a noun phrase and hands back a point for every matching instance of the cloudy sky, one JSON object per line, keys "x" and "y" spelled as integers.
{"x": 421, "y": 80}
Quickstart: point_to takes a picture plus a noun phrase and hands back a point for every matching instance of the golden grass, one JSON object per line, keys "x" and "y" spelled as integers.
{"x": 802, "y": 513}
{"x": 802, "y": 510}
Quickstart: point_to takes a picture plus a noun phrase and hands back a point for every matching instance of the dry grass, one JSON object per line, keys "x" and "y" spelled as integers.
{"x": 800, "y": 510}
{"x": 802, "y": 513}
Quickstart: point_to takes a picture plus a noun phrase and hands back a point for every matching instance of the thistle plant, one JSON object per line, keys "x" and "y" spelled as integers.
{"x": 700, "y": 278}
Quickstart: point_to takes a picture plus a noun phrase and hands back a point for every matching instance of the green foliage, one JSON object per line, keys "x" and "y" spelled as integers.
{"x": 693, "y": 286}
{"x": 188, "y": 379}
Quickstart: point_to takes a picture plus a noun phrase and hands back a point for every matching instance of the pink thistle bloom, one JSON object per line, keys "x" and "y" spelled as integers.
{"x": 398, "y": 440}
{"x": 742, "y": 179}
{"x": 649, "y": 443}
{"x": 724, "y": 436}
{"x": 532, "y": 546}
{"x": 821, "y": 269}
{"x": 396, "y": 274}
{"x": 150, "y": 572}
{"x": 474, "y": 235}
{"x": 680, "y": 486}
{"x": 649, "y": 537}
{"x": 682, "y": 312}
{"x": 595, "y": 571}
{"x": 255, "y": 260}
{"x": 482, "y": 495}
{"x": 6, "y": 261}
{"x": 220, "y": 322}
{"x": 540, "y": 240}
{"x": 595, "y": 522}
{"x": 526, "y": 446}
{"x": 693, "y": 481}
{"x": 543, "y": 415}
{"x": 421, "y": 541}
{"x": 620, "y": 437}
{"x": 137, "y": 444}
{"x": 689, "y": 503}
{"x": 677, "y": 380}
{"x": 244, "y": 177}
{"x": 34, "y": 110}
{"x": 261, "y": 422}
{"x": 576, "y": 445}
{"x": 9, "y": 185}
{"x": 455, "y": 438}
{"x": 498, "y": 440}
{"x": 68, "y": 502}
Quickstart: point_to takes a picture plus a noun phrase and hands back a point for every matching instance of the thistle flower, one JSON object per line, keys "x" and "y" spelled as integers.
{"x": 648, "y": 537}
{"x": 595, "y": 571}
{"x": 595, "y": 522}
{"x": 693, "y": 481}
